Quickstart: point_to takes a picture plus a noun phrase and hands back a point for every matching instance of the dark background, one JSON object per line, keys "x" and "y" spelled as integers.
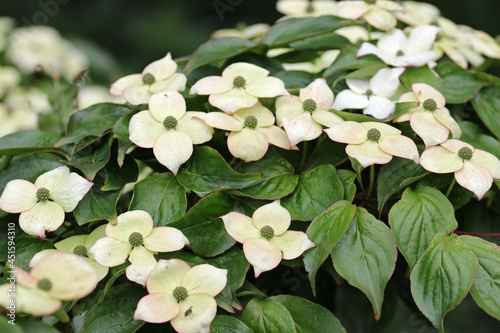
{"x": 138, "y": 32}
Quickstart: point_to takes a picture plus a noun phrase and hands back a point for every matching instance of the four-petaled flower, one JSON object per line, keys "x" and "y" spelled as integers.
{"x": 42, "y": 205}
{"x": 474, "y": 169}
{"x": 302, "y": 116}
{"x": 373, "y": 143}
{"x": 265, "y": 236}
{"x": 182, "y": 295}
{"x": 430, "y": 120}
{"x": 169, "y": 129}
{"x": 373, "y": 96}
{"x": 239, "y": 87}
{"x": 133, "y": 235}
{"x": 252, "y": 130}
{"x": 57, "y": 277}
{"x": 378, "y": 13}
{"x": 158, "y": 76}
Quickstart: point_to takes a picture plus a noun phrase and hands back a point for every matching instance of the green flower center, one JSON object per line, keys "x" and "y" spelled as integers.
{"x": 400, "y": 53}
{"x": 369, "y": 92}
{"x": 430, "y": 104}
{"x": 148, "y": 78}
{"x": 44, "y": 284}
{"x": 251, "y": 122}
{"x": 370, "y": 2}
{"x": 373, "y": 134}
{"x": 310, "y": 9}
{"x": 136, "y": 239}
{"x": 267, "y": 232}
{"x": 309, "y": 105}
{"x": 465, "y": 153}
{"x": 80, "y": 250}
{"x": 42, "y": 194}
{"x": 180, "y": 293}
{"x": 170, "y": 122}
{"x": 239, "y": 82}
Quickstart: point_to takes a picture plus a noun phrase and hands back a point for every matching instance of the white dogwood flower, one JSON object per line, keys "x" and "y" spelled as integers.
{"x": 378, "y": 13}
{"x": 306, "y": 8}
{"x": 418, "y": 13}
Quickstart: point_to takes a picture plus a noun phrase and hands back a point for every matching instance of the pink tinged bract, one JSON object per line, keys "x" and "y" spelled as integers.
{"x": 301, "y": 128}
{"x": 222, "y": 121}
{"x": 428, "y": 128}
{"x": 142, "y": 263}
{"x": 368, "y": 153}
{"x": 166, "y": 276}
{"x": 292, "y": 244}
{"x": 130, "y": 222}
{"x": 233, "y": 100}
{"x": 424, "y": 91}
{"x": 399, "y": 145}
{"x": 267, "y": 87}
{"x": 196, "y": 314}
{"x": 240, "y": 226}
{"x": 172, "y": 149}
{"x": 110, "y": 252}
{"x": 194, "y": 127}
{"x": 144, "y": 129}
{"x": 273, "y": 215}
{"x": 33, "y": 301}
{"x": 350, "y": 132}
{"x": 44, "y": 216}
{"x": 475, "y": 178}
{"x": 165, "y": 239}
{"x": 211, "y": 85}
{"x": 205, "y": 279}
{"x": 440, "y": 160}
{"x": 319, "y": 92}
{"x": 247, "y": 144}
{"x": 157, "y": 308}
{"x": 18, "y": 196}
{"x": 262, "y": 255}
{"x": 167, "y": 103}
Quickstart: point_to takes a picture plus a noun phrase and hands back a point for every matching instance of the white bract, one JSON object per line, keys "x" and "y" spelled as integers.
{"x": 158, "y": 76}
{"x": 182, "y": 295}
{"x": 302, "y": 116}
{"x": 134, "y": 237}
{"x": 265, "y": 236}
{"x": 243, "y": 31}
{"x": 239, "y": 87}
{"x": 395, "y": 49}
{"x": 169, "y": 129}
{"x": 252, "y": 130}
{"x": 43, "y": 205}
{"x": 474, "y": 169}
{"x": 373, "y": 96}
{"x": 418, "y": 13}
{"x": 305, "y": 8}
{"x": 378, "y": 13}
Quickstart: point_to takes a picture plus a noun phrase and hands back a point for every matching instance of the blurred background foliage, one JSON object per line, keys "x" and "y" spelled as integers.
{"x": 136, "y": 33}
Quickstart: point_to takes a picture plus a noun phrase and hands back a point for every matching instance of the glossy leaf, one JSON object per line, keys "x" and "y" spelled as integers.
{"x": 348, "y": 60}
{"x": 267, "y": 316}
{"x": 421, "y": 74}
{"x": 324, "y": 42}
{"x": 417, "y": 218}
{"x": 442, "y": 277}
{"x": 459, "y": 84}
{"x": 366, "y": 257}
{"x": 26, "y": 142}
{"x": 117, "y": 177}
{"x": 91, "y": 164}
{"x": 162, "y": 197}
{"x": 228, "y": 324}
{"x": 347, "y": 178}
{"x": 295, "y": 79}
{"x": 97, "y": 205}
{"x": 327, "y": 152}
{"x": 487, "y": 105}
{"x": 120, "y": 132}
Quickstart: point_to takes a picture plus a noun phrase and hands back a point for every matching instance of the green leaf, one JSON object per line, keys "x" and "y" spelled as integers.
{"x": 295, "y": 79}
{"x": 278, "y": 178}
{"x": 459, "y": 196}
{"x": 116, "y": 311}
{"x": 417, "y": 218}
{"x": 203, "y": 227}
{"x": 421, "y": 75}
{"x": 27, "y": 246}
{"x": 442, "y": 277}
{"x": 93, "y": 121}
{"x": 324, "y": 42}
{"x": 486, "y": 287}
{"x": 325, "y": 231}
{"x": 117, "y": 177}
{"x": 327, "y": 152}
{"x": 217, "y": 49}
{"x": 91, "y": 163}
{"x": 347, "y": 178}
{"x": 228, "y": 324}
{"x": 235, "y": 262}
{"x": 120, "y": 132}
{"x": 97, "y": 205}
{"x": 348, "y": 60}
{"x": 267, "y": 316}
{"x": 161, "y": 196}
{"x": 317, "y": 190}
{"x": 459, "y": 84}
{"x": 294, "y": 29}
{"x": 308, "y": 316}
{"x": 358, "y": 117}
{"x": 396, "y": 175}
{"x": 31, "y": 325}
{"x": 207, "y": 171}
{"x": 27, "y": 142}
{"x": 401, "y": 108}
{"x": 366, "y": 257}
{"x": 487, "y": 105}
{"x": 472, "y": 133}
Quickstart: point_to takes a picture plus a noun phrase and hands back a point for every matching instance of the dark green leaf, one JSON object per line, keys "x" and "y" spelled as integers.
{"x": 228, "y": 324}
{"x": 90, "y": 164}
{"x": 97, "y": 205}
{"x": 117, "y": 177}
{"x": 295, "y": 79}
{"x": 471, "y": 133}
{"x": 267, "y": 316}
{"x": 348, "y": 60}
{"x": 204, "y": 228}
{"x": 442, "y": 277}
{"x": 27, "y": 246}
{"x": 459, "y": 84}
{"x": 347, "y": 178}
{"x": 327, "y": 152}
{"x": 325, "y": 231}
{"x": 26, "y": 142}
{"x": 401, "y": 108}
{"x": 417, "y": 218}
{"x": 207, "y": 171}
{"x": 120, "y": 132}
{"x": 366, "y": 257}
{"x": 487, "y": 105}
{"x": 161, "y": 196}
{"x": 325, "y": 42}
{"x": 421, "y": 75}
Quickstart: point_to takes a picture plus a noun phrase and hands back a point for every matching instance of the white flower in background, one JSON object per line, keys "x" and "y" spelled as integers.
{"x": 373, "y": 96}
{"x": 239, "y": 87}
{"x": 182, "y": 295}
{"x": 474, "y": 169}
{"x": 169, "y": 129}
{"x": 6, "y": 25}
{"x": 77, "y": 245}
{"x": 305, "y": 8}
{"x": 397, "y": 50}
{"x": 354, "y": 33}
{"x": 250, "y": 32}
{"x": 56, "y": 278}
{"x": 324, "y": 60}
{"x": 378, "y": 13}
{"x": 42, "y": 205}
{"x": 418, "y": 13}
{"x": 32, "y": 100}
{"x": 16, "y": 121}
{"x": 9, "y": 77}
{"x": 302, "y": 116}
{"x": 90, "y": 95}
{"x": 265, "y": 236}
{"x": 31, "y": 47}
{"x": 158, "y": 76}
{"x": 430, "y": 120}
{"x": 373, "y": 143}
{"x": 134, "y": 237}
{"x": 252, "y": 130}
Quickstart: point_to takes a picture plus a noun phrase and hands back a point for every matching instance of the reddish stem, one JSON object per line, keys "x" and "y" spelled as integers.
{"x": 484, "y": 234}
